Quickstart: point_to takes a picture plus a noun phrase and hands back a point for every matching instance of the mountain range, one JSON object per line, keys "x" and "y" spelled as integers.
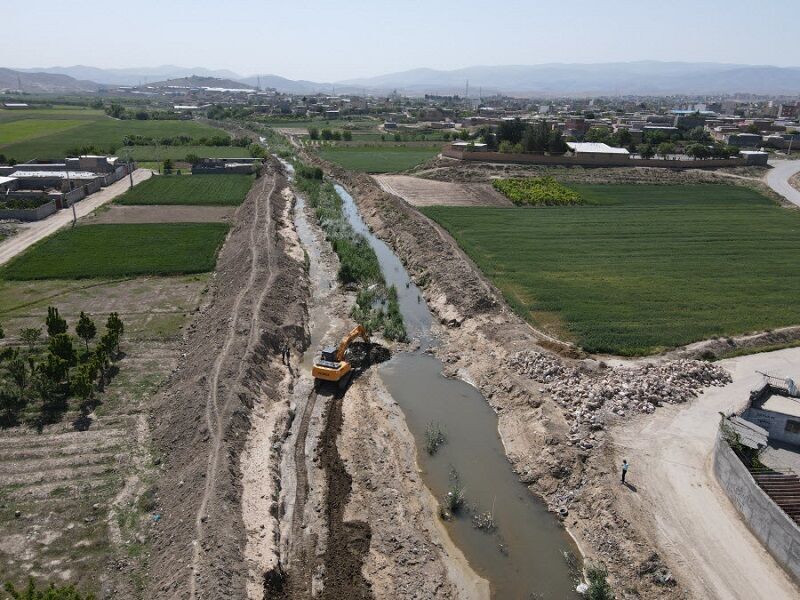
{"x": 622, "y": 78}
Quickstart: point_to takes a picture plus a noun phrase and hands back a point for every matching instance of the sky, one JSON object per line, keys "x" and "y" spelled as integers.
{"x": 340, "y": 39}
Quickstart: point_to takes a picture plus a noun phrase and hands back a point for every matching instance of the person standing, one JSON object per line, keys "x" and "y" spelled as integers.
{"x": 624, "y": 469}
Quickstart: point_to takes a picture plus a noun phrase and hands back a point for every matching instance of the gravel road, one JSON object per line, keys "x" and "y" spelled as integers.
{"x": 674, "y": 491}
{"x": 778, "y": 179}
{"x": 31, "y": 233}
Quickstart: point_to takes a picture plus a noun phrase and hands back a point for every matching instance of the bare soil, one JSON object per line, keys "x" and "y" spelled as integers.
{"x": 428, "y": 192}
{"x": 160, "y": 214}
{"x": 202, "y": 417}
{"x": 795, "y": 182}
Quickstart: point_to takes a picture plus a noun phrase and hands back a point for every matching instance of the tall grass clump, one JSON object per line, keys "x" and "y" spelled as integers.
{"x": 434, "y": 437}
{"x": 377, "y": 306}
{"x": 537, "y": 191}
{"x": 599, "y": 588}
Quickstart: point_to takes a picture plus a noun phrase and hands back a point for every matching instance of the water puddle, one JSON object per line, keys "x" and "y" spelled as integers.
{"x": 523, "y": 558}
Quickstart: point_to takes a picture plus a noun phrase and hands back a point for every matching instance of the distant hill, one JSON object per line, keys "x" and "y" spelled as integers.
{"x": 554, "y": 79}
{"x": 644, "y": 77}
{"x": 44, "y": 82}
{"x": 137, "y": 75}
{"x": 198, "y": 82}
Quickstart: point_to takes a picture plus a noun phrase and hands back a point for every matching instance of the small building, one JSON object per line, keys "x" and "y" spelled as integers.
{"x": 596, "y": 149}
{"x": 332, "y": 114}
{"x": 754, "y": 157}
{"x": 745, "y": 140}
{"x": 15, "y": 105}
{"x": 464, "y": 145}
{"x": 775, "y": 406}
{"x": 389, "y": 125}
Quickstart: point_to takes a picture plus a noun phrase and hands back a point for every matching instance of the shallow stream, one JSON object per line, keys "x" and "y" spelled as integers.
{"x": 524, "y": 557}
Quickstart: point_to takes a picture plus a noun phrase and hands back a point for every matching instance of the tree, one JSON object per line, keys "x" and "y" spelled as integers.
{"x": 622, "y": 138}
{"x": 55, "y": 324}
{"x": 30, "y": 336}
{"x": 19, "y": 370}
{"x": 192, "y": 159}
{"x": 2, "y": 333}
{"x": 115, "y": 324}
{"x": 347, "y": 135}
{"x": 556, "y": 143}
{"x": 698, "y": 134}
{"x": 167, "y": 166}
{"x": 326, "y": 134}
{"x": 85, "y": 329}
{"x": 598, "y": 134}
{"x": 511, "y": 131}
{"x": 313, "y": 133}
{"x": 60, "y": 345}
{"x": 697, "y": 151}
{"x": 81, "y": 383}
{"x": 53, "y": 369}
{"x": 116, "y": 111}
{"x": 646, "y": 151}
{"x": 665, "y": 148}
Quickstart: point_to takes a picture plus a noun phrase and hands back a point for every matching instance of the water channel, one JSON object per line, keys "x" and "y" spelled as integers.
{"x": 524, "y": 557}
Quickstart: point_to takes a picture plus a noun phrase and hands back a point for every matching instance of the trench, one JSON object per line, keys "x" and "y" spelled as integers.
{"x": 525, "y": 555}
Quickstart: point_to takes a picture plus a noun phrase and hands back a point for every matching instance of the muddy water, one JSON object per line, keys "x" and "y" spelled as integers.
{"x": 524, "y": 557}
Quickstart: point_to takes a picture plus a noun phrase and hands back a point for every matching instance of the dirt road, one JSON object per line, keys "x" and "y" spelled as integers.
{"x": 779, "y": 176}
{"x": 30, "y": 233}
{"x": 702, "y": 536}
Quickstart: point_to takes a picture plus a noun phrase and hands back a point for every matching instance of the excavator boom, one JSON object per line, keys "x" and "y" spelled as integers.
{"x": 338, "y": 370}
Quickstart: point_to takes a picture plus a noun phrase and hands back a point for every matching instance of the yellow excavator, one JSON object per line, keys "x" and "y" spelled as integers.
{"x": 332, "y": 364}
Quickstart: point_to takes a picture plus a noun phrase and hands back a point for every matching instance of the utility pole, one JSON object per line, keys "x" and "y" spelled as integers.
{"x": 69, "y": 189}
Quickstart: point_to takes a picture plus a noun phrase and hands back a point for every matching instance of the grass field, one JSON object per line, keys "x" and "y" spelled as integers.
{"x": 55, "y": 113}
{"x": 642, "y": 268}
{"x": 104, "y": 133}
{"x": 198, "y": 190}
{"x": 24, "y": 129}
{"x": 121, "y": 250}
{"x": 372, "y": 159}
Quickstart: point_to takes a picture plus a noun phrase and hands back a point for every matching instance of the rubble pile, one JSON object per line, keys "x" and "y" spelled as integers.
{"x": 587, "y": 397}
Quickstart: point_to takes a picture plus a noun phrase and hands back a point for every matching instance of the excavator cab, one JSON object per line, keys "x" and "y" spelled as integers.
{"x": 333, "y": 365}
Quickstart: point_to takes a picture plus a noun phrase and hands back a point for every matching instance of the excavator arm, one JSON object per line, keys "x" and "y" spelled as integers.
{"x": 356, "y": 332}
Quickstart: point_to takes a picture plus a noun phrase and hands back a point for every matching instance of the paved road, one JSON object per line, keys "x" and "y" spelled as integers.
{"x": 30, "y": 233}
{"x": 677, "y": 497}
{"x": 778, "y": 179}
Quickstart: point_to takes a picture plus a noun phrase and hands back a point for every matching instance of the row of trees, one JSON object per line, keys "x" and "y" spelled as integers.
{"x": 696, "y": 150}
{"x": 117, "y": 111}
{"x": 185, "y": 140}
{"x": 516, "y": 136}
{"x": 38, "y": 377}
{"x": 328, "y": 134}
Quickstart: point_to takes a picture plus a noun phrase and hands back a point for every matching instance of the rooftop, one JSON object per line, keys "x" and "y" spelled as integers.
{"x": 786, "y": 405}
{"x": 55, "y": 174}
{"x": 7, "y": 179}
{"x": 595, "y": 148}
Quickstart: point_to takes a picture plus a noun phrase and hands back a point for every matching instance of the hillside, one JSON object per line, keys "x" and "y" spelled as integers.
{"x": 43, "y": 82}
{"x": 196, "y": 81}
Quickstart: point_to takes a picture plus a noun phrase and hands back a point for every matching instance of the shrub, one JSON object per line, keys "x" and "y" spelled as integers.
{"x": 536, "y": 191}
{"x": 434, "y": 438}
{"x": 599, "y": 588}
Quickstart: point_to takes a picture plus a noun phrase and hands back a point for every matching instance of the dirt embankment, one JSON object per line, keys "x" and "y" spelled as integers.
{"x": 480, "y": 334}
{"x": 202, "y": 417}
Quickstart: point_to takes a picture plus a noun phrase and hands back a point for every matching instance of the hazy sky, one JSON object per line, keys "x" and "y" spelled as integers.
{"x": 339, "y": 39}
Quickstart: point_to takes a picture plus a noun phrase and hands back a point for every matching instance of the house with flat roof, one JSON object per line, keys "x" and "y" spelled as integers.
{"x": 775, "y": 406}
{"x": 596, "y": 149}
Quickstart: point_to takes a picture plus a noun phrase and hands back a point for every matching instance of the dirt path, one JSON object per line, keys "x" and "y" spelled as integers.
{"x": 702, "y": 536}
{"x": 30, "y": 233}
{"x": 779, "y": 176}
{"x": 213, "y": 410}
{"x": 221, "y": 401}
{"x": 429, "y": 192}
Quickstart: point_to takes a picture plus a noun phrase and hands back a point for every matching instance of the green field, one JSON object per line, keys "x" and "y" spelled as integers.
{"x": 91, "y": 251}
{"x": 373, "y": 159}
{"x": 641, "y": 268}
{"x": 24, "y": 129}
{"x": 55, "y": 113}
{"x": 197, "y": 190}
{"x": 104, "y": 133}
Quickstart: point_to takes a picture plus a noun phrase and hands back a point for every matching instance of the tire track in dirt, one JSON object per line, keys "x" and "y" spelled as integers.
{"x": 212, "y": 410}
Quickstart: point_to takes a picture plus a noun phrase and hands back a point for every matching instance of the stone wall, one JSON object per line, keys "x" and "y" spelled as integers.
{"x": 779, "y": 534}
{"x": 606, "y": 160}
{"x": 29, "y": 214}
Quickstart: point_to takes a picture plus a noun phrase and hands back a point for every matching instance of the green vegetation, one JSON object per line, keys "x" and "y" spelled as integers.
{"x": 376, "y": 305}
{"x": 640, "y": 268}
{"x": 121, "y": 250}
{"x": 536, "y": 191}
{"x": 102, "y": 135}
{"x": 51, "y": 592}
{"x": 434, "y": 437}
{"x": 378, "y": 159}
{"x": 17, "y": 131}
{"x": 197, "y": 190}
{"x": 179, "y": 153}
{"x": 37, "y": 382}
{"x": 599, "y": 588}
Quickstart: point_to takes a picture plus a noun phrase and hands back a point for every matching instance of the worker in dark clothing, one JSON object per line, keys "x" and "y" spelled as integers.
{"x": 624, "y": 469}
{"x": 285, "y": 356}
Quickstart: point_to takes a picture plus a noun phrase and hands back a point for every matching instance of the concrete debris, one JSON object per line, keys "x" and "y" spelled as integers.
{"x": 588, "y": 398}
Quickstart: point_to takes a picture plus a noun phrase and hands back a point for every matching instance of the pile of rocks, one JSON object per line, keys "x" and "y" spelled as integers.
{"x": 587, "y": 397}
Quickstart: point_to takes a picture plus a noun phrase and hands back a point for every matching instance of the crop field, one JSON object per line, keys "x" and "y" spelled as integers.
{"x": 640, "y": 268}
{"x": 24, "y": 129}
{"x": 121, "y": 250}
{"x": 55, "y": 113}
{"x": 376, "y": 159}
{"x": 104, "y": 133}
{"x": 198, "y": 190}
